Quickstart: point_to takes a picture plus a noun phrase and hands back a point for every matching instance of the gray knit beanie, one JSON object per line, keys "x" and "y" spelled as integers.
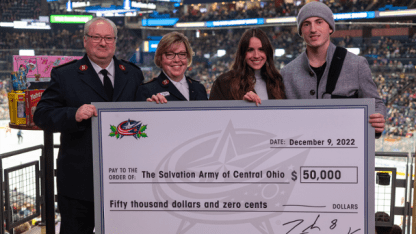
{"x": 315, "y": 9}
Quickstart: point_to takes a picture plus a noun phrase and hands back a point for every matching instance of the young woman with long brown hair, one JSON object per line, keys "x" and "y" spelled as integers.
{"x": 253, "y": 76}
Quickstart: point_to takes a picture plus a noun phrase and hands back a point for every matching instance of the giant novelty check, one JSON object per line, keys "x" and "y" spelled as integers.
{"x": 226, "y": 167}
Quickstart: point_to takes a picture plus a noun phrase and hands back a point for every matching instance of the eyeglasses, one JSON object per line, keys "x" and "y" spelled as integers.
{"x": 171, "y": 56}
{"x": 107, "y": 40}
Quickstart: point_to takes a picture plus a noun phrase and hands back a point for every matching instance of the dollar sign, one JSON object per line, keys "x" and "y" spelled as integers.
{"x": 294, "y": 175}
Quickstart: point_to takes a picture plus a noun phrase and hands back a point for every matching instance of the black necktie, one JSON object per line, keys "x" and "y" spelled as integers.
{"x": 107, "y": 85}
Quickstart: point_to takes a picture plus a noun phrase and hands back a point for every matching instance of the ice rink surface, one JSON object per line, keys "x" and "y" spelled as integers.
{"x": 9, "y": 142}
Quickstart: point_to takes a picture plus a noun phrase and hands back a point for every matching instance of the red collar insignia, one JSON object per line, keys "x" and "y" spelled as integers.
{"x": 83, "y": 67}
{"x": 165, "y": 82}
{"x": 123, "y": 68}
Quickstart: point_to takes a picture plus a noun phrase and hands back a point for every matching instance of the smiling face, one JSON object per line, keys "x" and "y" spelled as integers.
{"x": 255, "y": 55}
{"x": 101, "y": 52}
{"x": 175, "y": 68}
{"x": 316, "y": 32}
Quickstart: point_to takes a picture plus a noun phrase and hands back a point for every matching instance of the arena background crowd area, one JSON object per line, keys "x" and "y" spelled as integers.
{"x": 388, "y": 44}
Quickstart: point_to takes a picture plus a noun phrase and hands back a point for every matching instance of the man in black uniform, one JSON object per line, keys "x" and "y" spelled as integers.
{"x": 65, "y": 107}
{"x": 173, "y": 56}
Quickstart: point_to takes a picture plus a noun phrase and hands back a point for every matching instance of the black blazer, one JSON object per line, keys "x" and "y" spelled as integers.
{"x": 162, "y": 84}
{"x": 72, "y": 85}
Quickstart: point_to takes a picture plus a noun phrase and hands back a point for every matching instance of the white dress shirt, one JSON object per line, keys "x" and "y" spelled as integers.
{"x": 182, "y": 86}
{"x": 110, "y": 69}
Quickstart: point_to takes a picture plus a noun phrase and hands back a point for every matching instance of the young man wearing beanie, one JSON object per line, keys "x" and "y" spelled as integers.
{"x": 306, "y": 77}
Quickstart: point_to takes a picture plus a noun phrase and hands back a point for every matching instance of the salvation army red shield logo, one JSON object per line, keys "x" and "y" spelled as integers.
{"x": 83, "y": 67}
{"x": 128, "y": 128}
{"x": 165, "y": 82}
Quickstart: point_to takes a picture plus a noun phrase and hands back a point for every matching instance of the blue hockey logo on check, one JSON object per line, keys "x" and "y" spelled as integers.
{"x": 128, "y": 128}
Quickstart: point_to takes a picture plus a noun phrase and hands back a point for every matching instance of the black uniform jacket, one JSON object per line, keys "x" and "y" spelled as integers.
{"x": 72, "y": 85}
{"x": 163, "y": 85}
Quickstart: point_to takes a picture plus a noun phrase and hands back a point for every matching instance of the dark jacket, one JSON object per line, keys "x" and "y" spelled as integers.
{"x": 221, "y": 89}
{"x": 162, "y": 84}
{"x": 73, "y": 85}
